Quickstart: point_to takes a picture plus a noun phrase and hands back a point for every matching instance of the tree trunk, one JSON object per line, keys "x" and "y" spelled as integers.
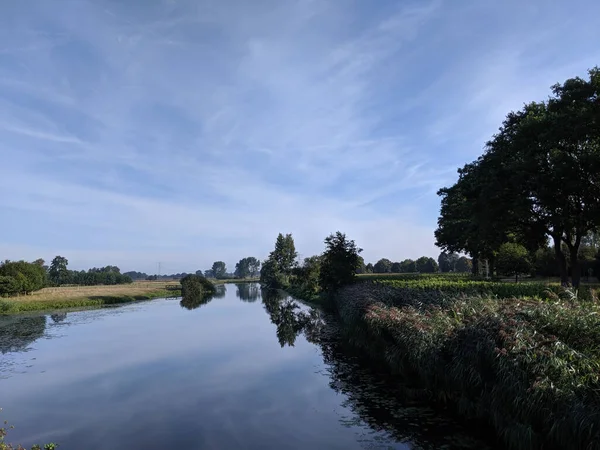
{"x": 516, "y": 277}
{"x": 561, "y": 260}
{"x": 575, "y": 266}
{"x": 475, "y": 268}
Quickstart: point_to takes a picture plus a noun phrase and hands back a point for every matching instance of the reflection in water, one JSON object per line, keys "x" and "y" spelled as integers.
{"x": 290, "y": 322}
{"x": 197, "y": 300}
{"x": 17, "y": 332}
{"x": 57, "y": 318}
{"x": 248, "y": 292}
{"x": 373, "y": 397}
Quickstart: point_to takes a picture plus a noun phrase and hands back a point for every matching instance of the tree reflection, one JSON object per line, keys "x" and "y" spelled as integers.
{"x": 248, "y": 292}
{"x": 285, "y": 313}
{"x": 220, "y": 291}
{"x": 57, "y": 318}
{"x": 384, "y": 403}
{"x": 17, "y": 333}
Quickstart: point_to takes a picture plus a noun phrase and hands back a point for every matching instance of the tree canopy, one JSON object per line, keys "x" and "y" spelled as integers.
{"x": 339, "y": 262}
{"x": 538, "y": 179}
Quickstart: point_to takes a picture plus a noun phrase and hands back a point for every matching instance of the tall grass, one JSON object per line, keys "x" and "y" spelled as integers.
{"x": 529, "y": 368}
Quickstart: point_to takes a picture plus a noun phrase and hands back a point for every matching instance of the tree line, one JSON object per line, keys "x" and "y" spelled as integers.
{"x": 535, "y": 188}
{"x": 23, "y": 278}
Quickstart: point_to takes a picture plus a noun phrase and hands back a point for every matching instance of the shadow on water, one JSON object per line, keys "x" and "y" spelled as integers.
{"x": 373, "y": 397}
{"x": 248, "y": 292}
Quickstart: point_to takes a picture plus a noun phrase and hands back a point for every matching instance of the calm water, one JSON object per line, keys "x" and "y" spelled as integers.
{"x": 240, "y": 371}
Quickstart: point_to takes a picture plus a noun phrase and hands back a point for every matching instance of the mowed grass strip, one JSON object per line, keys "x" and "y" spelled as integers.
{"x": 84, "y": 296}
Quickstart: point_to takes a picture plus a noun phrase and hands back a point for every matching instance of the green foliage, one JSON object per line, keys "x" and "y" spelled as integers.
{"x": 408, "y": 266}
{"x": 384, "y": 265}
{"x": 196, "y": 291}
{"x": 529, "y": 369}
{"x": 306, "y": 276}
{"x": 447, "y": 261}
{"x": 426, "y": 265}
{"x": 538, "y": 179}
{"x": 369, "y": 268}
{"x": 58, "y": 272}
{"x": 339, "y": 262}
{"x": 9, "y": 286}
{"x": 247, "y": 267}
{"x": 513, "y": 259}
{"x": 109, "y": 275}
{"x": 276, "y": 271}
{"x": 219, "y": 270}
{"x": 26, "y": 277}
{"x": 464, "y": 265}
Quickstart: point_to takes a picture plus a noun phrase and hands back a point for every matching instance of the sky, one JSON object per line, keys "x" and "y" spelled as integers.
{"x": 185, "y": 132}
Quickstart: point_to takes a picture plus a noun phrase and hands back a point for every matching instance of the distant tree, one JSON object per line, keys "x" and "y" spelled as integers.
{"x": 426, "y": 265}
{"x": 369, "y": 268}
{"x": 384, "y": 265}
{"x": 254, "y": 266}
{"x": 276, "y": 271}
{"x": 209, "y": 273}
{"x": 339, "y": 262}
{"x": 464, "y": 265}
{"x": 242, "y": 269}
{"x": 513, "y": 259}
{"x": 219, "y": 269}
{"x": 58, "y": 273}
{"x": 447, "y": 261}
{"x": 362, "y": 268}
{"x": 396, "y": 267}
{"x": 408, "y": 266}
{"x": 306, "y": 275}
{"x": 136, "y": 275}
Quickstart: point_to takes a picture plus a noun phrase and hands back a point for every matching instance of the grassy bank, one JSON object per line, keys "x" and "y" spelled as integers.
{"x": 84, "y": 296}
{"x": 529, "y": 368}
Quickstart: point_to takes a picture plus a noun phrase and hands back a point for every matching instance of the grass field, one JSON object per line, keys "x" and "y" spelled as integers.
{"x": 84, "y": 296}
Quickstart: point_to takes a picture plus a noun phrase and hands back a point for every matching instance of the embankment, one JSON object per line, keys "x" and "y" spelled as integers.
{"x": 528, "y": 368}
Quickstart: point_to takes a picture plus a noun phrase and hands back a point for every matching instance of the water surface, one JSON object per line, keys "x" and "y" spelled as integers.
{"x": 242, "y": 370}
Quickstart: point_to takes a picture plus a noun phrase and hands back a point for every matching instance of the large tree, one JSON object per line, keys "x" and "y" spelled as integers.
{"x": 539, "y": 179}
{"x": 277, "y": 269}
{"x": 58, "y": 272}
{"x": 219, "y": 270}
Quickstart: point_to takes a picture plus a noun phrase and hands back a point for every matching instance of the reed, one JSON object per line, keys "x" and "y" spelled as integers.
{"x": 529, "y": 368}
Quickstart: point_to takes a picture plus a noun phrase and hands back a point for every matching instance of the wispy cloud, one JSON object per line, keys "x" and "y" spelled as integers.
{"x": 193, "y": 131}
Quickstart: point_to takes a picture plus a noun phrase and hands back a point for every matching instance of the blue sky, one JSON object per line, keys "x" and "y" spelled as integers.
{"x": 133, "y": 132}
